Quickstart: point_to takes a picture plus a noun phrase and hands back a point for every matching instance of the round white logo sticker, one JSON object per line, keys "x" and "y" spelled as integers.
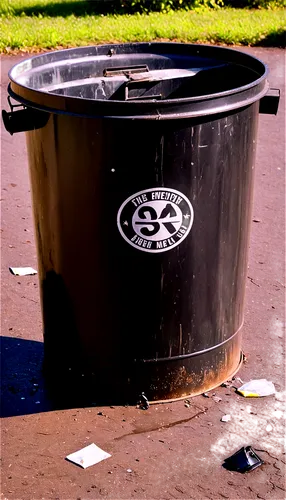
{"x": 155, "y": 220}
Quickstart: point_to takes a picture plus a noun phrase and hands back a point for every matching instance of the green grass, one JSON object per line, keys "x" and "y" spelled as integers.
{"x": 31, "y": 25}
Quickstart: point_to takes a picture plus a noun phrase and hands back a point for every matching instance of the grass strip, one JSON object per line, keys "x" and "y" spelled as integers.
{"x": 222, "y": 26}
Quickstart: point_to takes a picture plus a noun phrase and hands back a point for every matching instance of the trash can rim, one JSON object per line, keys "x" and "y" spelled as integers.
{"x": 252, "y": 91}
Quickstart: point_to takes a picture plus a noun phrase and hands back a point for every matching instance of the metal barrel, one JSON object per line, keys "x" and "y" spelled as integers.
{"x": 142, "y": 180}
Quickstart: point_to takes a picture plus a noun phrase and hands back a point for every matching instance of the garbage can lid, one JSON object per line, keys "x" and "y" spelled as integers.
{"x": 140, "y": 80}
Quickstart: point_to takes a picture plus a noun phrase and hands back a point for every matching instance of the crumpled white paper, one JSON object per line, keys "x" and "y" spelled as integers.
{"x": 257, "y": 388}
{"x": 22, "y": 271}
{"x": 90, "y": 455}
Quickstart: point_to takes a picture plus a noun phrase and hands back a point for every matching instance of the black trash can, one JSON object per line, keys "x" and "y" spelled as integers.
{"x": 141, "y": 160}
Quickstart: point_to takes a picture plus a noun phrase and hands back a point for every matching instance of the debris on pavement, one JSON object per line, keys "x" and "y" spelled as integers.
{"x": 226, "y": 384}
{"x": 206, "y": 394}
{"x": 251, "y": 412}
{"x": 129, "y": 470}
{"x": 244, "y": 460}
{"x": 252, "y": 281}
{"x": 143, "y": 403}
{"x": 225, "y": 418}
{"x": 90, "y": 455}
{"x": 269, "y": 428}
{"x": 22, "y": 271}
{"x": 257, "y": 388}
{"x": 217, "y": 399}
{"x": 238, "y": 379}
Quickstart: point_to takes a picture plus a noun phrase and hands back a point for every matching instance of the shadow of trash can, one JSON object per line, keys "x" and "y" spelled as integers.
{"x": 141, "y": 159}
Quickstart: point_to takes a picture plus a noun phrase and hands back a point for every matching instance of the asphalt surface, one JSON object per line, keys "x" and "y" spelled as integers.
{"x": 173, "y": 451}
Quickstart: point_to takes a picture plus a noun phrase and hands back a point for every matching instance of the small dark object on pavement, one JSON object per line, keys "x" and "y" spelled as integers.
{"x": 226, "y": 384}
{"x": 206, "y": 394}
{"x": 143, "y": 402}
{"x": 244, "y": 460}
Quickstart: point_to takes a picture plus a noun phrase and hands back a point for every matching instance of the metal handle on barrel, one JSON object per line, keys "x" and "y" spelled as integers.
{"x": 270, "y": 102}
{"x": 24, "y": 119}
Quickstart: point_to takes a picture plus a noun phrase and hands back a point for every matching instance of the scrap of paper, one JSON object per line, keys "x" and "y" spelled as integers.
{"x": 90, "y": 455}
{"x": 22, "y": 271}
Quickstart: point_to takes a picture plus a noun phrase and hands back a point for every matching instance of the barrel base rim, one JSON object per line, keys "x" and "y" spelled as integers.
{"x": 181, "y": 398}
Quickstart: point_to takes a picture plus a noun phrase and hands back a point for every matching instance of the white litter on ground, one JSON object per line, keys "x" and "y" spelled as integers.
{"x": 257, "y": 388}
{"x": 90, "y": 455}
{"x": 225, "y": 418}
{"x": 22, "y": 271}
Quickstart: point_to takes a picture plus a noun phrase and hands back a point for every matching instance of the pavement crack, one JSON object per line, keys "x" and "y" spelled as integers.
{"x": 276, "y": 486}
{"x": 276, "y": 467}
{"x": 280, "y": 487}
{"x": 265, "y": 451}
{"x": 27, "y": 298}
{"x": 252, "y": 281}
{"x": 161, "y": 427}
{"x": 204, "y": 490}
{"x": 177, "y": 488}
